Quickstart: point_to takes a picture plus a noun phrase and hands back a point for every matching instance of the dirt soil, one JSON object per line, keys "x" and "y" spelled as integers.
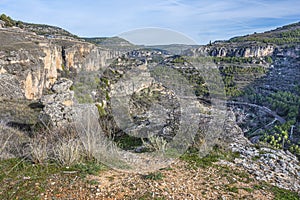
{"x": 179, "y": 181}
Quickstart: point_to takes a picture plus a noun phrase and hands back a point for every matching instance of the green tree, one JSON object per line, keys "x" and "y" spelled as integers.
{"x": 8, "y": 21}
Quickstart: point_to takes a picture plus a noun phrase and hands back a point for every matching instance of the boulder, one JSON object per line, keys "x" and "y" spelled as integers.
{"x": 62, "y": 85}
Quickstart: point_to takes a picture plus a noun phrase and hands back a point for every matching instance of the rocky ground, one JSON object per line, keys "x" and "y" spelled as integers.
{"x": 278, "y": 167}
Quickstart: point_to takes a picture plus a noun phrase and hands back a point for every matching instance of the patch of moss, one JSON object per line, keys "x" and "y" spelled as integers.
{"x": 90, "y": 167}
{"x": 233, "y": 189}
{"x": 196, "y": 161}
{"x": 193, "y": 158}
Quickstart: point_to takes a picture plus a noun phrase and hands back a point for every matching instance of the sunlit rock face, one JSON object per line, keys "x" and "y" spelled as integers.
{"x": 37, "y": 61}
{"x": 233, "y": 49}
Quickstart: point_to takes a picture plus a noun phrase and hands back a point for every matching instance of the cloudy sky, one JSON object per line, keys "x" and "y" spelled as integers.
{"x": 194, "y": 20}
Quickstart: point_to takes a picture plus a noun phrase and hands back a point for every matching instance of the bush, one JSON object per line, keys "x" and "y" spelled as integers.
{"x": 38, "y": 150}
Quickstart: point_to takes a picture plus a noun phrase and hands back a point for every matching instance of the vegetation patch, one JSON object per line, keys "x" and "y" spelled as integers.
{"x": 154, "y": 176}
{"x": 195, "y": 161}
{"x": 21, "y": 179}
{"x": 128, "y": 142}
{"x": 279, "y": 193}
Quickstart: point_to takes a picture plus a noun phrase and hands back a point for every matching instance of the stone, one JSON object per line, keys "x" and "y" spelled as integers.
{"x": 62, "y": 85}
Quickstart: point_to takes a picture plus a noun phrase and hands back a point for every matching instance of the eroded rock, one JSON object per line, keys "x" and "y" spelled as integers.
{"x": 57, "y": 109}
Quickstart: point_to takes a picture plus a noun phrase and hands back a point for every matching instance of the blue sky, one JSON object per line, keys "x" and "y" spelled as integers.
{"x": 198, "y": 20}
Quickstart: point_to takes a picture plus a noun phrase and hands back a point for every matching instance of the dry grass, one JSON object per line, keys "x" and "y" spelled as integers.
{"x": 12, "y": 142}
{"x": 68, "y": 152}
{"x": 38, "y": 150}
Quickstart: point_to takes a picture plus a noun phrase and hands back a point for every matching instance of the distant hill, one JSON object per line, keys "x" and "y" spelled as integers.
{"x": 289, "y": 34}
{"x": 108, "y": 41}
{"x": 47, "y": 30}
{"x": 111, "y": 42}
{"x": 39, "y": 29}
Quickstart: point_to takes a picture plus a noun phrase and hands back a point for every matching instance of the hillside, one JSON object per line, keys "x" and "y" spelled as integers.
{"x": 39, "y": 29}
{"x": 109, "y": 41}
{"x": 286, "y": 35}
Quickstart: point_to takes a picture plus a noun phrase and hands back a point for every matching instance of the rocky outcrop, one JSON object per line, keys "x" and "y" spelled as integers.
{"x": 233, "y": 50}
{"x": 278, "y": 167}
{"x": 61, "y": 109}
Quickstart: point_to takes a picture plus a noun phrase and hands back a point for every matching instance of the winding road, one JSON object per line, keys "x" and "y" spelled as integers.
{"x": 265, "y": 109}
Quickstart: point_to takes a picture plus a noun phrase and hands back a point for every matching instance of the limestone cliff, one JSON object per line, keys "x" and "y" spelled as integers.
{"x": 37, "y": 61}
{"x": 249, "y": 49}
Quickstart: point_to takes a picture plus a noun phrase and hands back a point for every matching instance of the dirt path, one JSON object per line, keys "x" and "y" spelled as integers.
{"x": 179, "y": 181}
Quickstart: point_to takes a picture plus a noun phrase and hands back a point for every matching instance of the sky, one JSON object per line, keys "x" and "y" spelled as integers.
{"x": 157, "y": 21}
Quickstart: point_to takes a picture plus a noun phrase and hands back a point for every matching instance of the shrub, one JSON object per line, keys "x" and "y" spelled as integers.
{"x": 38, "y": 151}
{"x": 67, "y": 152}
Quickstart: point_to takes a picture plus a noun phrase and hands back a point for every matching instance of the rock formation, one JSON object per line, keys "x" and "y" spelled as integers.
{"x": 57, "y": 109}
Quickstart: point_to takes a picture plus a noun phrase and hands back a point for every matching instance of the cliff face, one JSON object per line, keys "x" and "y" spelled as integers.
{"x": 35, "y": 62}
{"x": 85, "y": 56}
{"x": 233, "y": 50}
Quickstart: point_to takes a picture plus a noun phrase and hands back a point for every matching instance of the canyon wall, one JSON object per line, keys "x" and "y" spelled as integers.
{"x": 233, "y": 50}
{"x": 35, "y": 62}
